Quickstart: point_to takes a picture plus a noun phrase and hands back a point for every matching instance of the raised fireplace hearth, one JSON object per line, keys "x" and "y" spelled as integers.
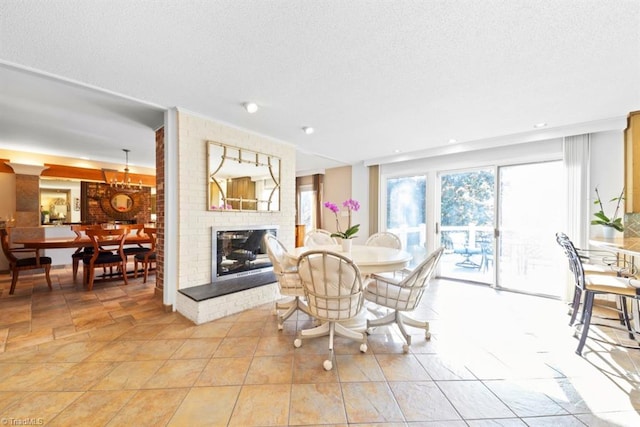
{"x": 241, "y": 273}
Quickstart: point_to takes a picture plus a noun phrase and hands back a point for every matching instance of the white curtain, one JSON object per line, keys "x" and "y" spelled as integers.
{"x": 576, "y": 150}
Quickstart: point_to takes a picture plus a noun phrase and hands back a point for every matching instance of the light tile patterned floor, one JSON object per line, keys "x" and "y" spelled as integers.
{"x": 113, "y": 357}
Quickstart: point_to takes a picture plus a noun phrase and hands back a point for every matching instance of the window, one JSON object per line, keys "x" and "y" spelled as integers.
{"x": 306, "y": 207}
{"x": 406, "y": 213}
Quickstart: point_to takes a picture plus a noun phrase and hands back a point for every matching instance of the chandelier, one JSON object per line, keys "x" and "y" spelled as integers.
{"x": 125, "y": 183}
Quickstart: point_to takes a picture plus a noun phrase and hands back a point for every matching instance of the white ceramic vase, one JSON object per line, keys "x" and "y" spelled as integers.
{"x": 608, "y": 232}
{"x": 346, "y": 245}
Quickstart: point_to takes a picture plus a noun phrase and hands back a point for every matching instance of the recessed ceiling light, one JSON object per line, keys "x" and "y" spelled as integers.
{"x": 540, "y": 125}
{"x": 308, "y": 130}
{"x": 453, "y": 141}
{"x": 251, "y": 107}
{"x": 397, "y": 151}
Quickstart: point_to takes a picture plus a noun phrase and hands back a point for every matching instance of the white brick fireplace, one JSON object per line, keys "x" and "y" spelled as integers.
{"x": 195, "y": 221}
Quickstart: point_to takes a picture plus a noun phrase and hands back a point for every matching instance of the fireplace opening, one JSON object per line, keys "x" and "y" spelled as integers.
{"x": 240, "y": 253}
{"x": 239, "y": 261}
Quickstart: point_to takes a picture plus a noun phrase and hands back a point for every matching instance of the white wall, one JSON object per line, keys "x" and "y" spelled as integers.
{"x": 360, "y": 192}
{"x": 607, "y": 172}
{"x": 195, "y": 221}
{"x": 512, "y": 154}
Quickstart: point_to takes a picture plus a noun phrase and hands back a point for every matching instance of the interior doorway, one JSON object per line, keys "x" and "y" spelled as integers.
{"x": 55, "y": 206}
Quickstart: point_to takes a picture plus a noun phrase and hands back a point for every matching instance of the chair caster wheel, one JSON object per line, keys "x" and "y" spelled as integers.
{"x": 297, "y": 343}
{"x": 405, "y": 348}
{"x": 427, "y": 335}
{"x": 363, "y": 348}
{"x": 327, "y": 365}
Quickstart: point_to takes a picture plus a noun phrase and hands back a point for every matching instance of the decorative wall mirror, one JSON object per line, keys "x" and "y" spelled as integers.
{"x": 121, "y": 202}
{"x": 120, "y": 205}
{"x": 242, "y": 180}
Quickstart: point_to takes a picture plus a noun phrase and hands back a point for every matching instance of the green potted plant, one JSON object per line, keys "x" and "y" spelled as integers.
{"x": 610, "y": 223}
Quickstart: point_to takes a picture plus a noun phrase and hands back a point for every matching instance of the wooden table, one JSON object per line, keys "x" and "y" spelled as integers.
{"x": 369, "y": 259}
{"x": 71, "y": 242}
{"x": 59, "y": 244}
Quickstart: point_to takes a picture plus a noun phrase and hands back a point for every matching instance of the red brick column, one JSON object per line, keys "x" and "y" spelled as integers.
{"x": 160, "y": 211}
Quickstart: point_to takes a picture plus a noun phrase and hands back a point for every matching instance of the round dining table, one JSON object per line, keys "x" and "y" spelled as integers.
{"x": 369, "y": 259}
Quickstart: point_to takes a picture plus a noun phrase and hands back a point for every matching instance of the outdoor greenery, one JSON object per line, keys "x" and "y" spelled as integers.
{"x": 468, "y": 198}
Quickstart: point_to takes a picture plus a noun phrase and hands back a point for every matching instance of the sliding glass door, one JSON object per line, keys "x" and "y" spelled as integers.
{"x": 466, "y": 225}
{"x": 531, "y": 212}
{"x": 497, "y": 224}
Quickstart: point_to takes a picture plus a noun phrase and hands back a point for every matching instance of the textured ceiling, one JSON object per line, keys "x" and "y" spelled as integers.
{"x": 370, "y": 76}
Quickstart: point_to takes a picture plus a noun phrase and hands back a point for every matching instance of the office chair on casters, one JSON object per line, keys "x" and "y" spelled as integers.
{"x": 333, "y": 287}
{"x": 288, "y": 280}
{"x": 402, "y": 296}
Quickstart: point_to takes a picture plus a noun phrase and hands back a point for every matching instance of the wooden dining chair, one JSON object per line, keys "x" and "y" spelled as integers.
{"x": 107, "y": 252}
{"x": 17, "y": 264}
{"x": 135, "y": 248}
{"x": 83, "y": 252}
{"x": 146, "y": 258}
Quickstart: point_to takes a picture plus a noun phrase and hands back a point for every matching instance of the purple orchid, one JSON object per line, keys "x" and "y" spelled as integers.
{"x": 352, "y": 206}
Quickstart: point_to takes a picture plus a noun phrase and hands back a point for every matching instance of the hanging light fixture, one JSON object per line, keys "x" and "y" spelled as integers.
{"x": 126, "y": 179}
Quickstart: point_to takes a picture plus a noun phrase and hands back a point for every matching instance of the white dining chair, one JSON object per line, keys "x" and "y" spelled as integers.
{"x": 319, "y": 237}
{"x": 402, "y": 296}
{"x": 333, "y": 288}
{"x": 385, "y": 239}
{"x": 289, "y": 282}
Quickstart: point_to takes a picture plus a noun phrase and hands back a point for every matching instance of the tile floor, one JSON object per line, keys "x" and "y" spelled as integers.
{"x": 113, "y": 357}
